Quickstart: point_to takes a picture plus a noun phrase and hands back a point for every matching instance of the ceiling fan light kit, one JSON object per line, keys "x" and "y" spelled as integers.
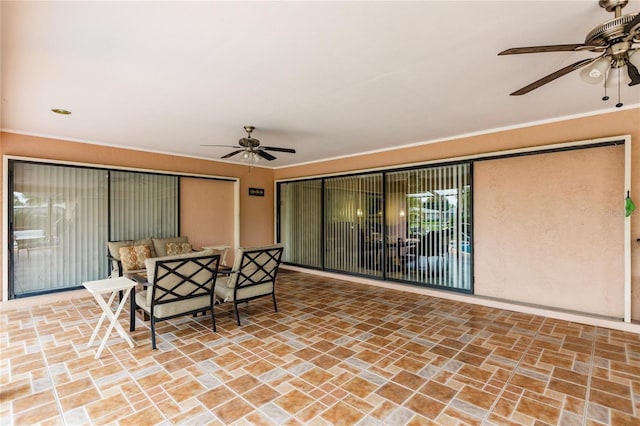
{"x": 619, "y": 62}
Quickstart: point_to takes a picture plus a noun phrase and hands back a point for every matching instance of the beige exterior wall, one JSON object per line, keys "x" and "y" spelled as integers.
{"x": 549, "y": 230}
{"x": 257, "y": 213}
{"x": 626, "y": 122}
{"x": 207, "y": 211}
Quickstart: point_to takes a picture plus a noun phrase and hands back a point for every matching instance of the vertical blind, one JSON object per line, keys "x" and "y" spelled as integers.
{"x": 406, "y": 225}
{"x": 300, "y": 222}
{"x": 58, "y": 227}
{"x": 353, "y": 224}
{"x": 61, "y": 218}
{"x": 428, "y": 216}
{"x": 143, "y": 205}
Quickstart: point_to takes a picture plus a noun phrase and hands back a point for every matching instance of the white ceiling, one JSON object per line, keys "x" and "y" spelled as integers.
{"x": 328, "y": 79}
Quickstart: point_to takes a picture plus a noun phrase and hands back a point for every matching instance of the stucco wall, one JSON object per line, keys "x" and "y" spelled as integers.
{"x": 549, "y": 228}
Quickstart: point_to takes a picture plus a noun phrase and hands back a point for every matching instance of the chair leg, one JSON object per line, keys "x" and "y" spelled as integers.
{"x": 132, "y": 311}
{"x": 153, "y": 332}
{"x": 213, "y": 318}
{"x": 275, "y": 305}
{"x": 235, "y": 306}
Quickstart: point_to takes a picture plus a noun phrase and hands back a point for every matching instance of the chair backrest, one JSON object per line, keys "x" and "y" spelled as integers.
{"x": 181, "y": 277}
{"x": 256, "y": 266}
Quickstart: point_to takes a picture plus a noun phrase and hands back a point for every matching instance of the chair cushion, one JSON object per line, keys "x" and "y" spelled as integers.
{"x": 178, "y": 248}
{"x": 160, "y": 244}
{"x": 133, "y": 257}
{"x": 225, "y": 293}
{"x": 248, "y": 270}
{"x": 169, "y": 309}
{"x": 189, "y": 268}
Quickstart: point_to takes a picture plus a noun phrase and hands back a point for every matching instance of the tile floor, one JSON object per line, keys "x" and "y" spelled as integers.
{"x": 336, "y": 353}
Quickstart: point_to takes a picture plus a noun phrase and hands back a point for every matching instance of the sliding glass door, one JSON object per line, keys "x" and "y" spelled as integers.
{"x": 411, "y": 225}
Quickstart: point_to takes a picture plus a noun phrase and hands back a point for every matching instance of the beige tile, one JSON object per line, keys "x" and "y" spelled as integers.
{"x": 342, "y": 414}
{"x": 232, "y": 410}
{"x": 230, "y": 376}
{"x": 293, "y": 401}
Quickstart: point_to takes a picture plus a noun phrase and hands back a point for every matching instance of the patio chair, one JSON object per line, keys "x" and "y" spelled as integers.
{"x": 177, "y": 285}
{"x": 253, "y": 275}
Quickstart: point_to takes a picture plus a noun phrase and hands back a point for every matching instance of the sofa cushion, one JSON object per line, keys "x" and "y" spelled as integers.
{"x": 178, "y": 248}
{"x": 133, "y": 257}
{"x": 114, "y": 246}
{"x": 160, "y": 244}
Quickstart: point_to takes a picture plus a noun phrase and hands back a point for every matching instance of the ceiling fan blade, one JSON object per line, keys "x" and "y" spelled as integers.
{"x": 225, "y": 146}
{"x": 634, "y": 75}
{"x": 542, "y": 49}
{"x": 554, "y": 75}
{"x": 629, "y": 28}
{"x": 231, "y": 154}
{"x": 274, "y": 148}
{"x": 265, "y": 155}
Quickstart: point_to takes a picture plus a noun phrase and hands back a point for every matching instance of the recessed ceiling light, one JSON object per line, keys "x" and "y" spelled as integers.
{"x": 61, "y": 111}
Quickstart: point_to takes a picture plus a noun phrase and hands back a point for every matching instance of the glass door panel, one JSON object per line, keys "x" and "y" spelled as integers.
{"x": 353, "y": 224}
{"x": 428, "y": 213}
{"x": 58, "y": 227}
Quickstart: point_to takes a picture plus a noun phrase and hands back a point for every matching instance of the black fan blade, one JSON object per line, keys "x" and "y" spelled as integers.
{"x": 634, "y": 75}
{"x": 542, "y": 49}
{"x": 554, "y": 75}
{"x": 224, "y": 146}
{"x": 635, "y": 22}
{"x": 274, "y": 148}
{"x": 231, "y": 154}
{"x": 265, "y": 155}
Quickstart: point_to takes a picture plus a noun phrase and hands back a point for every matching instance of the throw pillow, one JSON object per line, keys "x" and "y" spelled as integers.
{"x": 133, "y": 257}
{"x": 178, "y": 248}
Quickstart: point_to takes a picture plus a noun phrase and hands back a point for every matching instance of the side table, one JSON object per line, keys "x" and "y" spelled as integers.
{"x": 113, "y": 286}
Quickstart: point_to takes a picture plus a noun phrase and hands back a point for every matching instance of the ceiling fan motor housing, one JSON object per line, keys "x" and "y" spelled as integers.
{"x": 609, "y": 31}
{"x": 249, "y": 142}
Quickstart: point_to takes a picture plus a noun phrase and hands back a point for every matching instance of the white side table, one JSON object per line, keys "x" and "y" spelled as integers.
{"x": 223, "y": 249}
{"x": 113, "y": 286}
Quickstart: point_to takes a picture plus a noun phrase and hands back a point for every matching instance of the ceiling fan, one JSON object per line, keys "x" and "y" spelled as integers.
{"x": 251, "y": 149}
{"x": 614, "y": 40}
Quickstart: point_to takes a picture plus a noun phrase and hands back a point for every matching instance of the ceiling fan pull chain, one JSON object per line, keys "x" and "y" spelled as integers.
{"x": 619, "y": 104}
{"x": 604, "y": 84}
